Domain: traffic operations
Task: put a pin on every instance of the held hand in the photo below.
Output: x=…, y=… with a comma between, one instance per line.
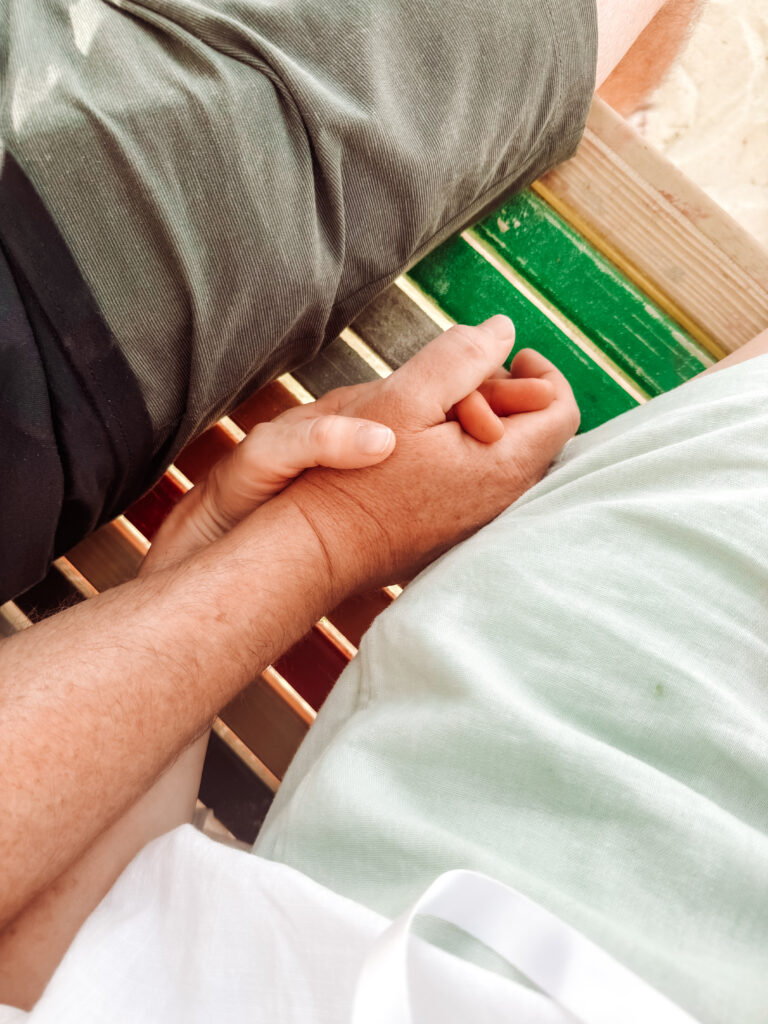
x=385, y=522
x=331, y=433
x=260, y=467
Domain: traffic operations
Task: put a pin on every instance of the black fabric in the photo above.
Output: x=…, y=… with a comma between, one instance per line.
x=75, y=437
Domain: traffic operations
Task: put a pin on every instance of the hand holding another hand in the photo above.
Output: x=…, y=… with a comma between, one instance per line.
x=440, y=484
x=464, y=451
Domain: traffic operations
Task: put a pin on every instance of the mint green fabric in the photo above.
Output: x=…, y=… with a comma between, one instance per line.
x=575, y=701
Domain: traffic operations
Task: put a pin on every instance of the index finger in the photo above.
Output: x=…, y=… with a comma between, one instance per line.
x=455, y=364
x=528, y=363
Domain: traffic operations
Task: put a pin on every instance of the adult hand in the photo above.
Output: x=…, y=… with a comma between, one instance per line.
x=440, y=484
x=264, y=463
x=164, y=653
x=323, y=433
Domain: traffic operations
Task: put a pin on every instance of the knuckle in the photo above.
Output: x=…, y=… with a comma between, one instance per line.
x=575, y=418
x=323, y=432
x=393, y=404
x=471, y=342
x=254, y=440
x=214, y=519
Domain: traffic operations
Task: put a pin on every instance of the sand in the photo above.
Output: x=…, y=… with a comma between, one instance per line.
x=710, y=115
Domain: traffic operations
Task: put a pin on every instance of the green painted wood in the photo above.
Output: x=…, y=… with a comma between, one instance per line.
x=470, y=290
x=588, y=289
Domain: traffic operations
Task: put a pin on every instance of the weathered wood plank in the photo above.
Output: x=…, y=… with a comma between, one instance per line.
x=148, y=513
x=355, y=615
x=395, y=327
x=269, y=719
x=196, y=460
x=470, y=289
x=55, y=592
x=12, y=619
x=246, y=755
x=312, y=666
x=337, y=365
x=636, y=333
x=111, y=555
x=661, y=230
x=263, y=405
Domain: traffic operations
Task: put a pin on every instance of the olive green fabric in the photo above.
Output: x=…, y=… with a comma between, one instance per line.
x=575, y=701
x=237, y=178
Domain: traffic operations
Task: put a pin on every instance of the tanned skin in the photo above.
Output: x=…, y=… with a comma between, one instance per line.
x=631, y=83
x=100, y=706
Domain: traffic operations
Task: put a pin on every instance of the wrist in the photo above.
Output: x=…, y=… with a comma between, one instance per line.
x=356, y=549
x=270, y=575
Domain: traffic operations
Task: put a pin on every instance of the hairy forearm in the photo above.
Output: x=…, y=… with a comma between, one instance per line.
x=647, y=61
x=96, y=702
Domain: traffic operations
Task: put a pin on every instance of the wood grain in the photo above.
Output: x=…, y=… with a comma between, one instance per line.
x=470, y=289
x=111, y=555
x=661, y=230
x=268, y=721
x=588, y=290
x=263, y=405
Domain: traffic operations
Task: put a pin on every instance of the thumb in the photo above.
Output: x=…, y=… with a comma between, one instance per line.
x=275, y=453
x=455, y=364
x=339, y=442
x=261, y=466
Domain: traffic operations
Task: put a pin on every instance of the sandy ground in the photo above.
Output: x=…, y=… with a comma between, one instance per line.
x=710, y=115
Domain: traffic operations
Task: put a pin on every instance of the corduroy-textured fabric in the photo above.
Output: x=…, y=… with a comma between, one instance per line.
x=237, y=178
x=575, y=701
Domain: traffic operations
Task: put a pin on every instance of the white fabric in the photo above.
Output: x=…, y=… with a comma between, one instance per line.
x=576, y=973
x=194, y=931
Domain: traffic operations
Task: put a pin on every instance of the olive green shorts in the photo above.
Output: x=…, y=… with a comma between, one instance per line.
x=236, y=179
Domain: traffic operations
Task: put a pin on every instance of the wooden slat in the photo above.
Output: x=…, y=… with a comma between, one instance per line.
x=246, y=755
x=470, y=289
x=268, y=722
x=12, y=619
x=422, y=301
x=659, y=228
x=235, y=793
x=111, y=555
x=62, y=587
x=75, y=578
x=263, y=718
x=395, y=327
x=380, y=366
x=602, y=302
x=148, y=513
x=312, y=666
x=355, y=615
x=335, y=366
x=611, y=183
x=199, y=455
x=337, y=638
x=264, y=405
x=52, y=594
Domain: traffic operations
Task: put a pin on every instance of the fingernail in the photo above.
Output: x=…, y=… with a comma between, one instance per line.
x=373, y=438
x=500, y=325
